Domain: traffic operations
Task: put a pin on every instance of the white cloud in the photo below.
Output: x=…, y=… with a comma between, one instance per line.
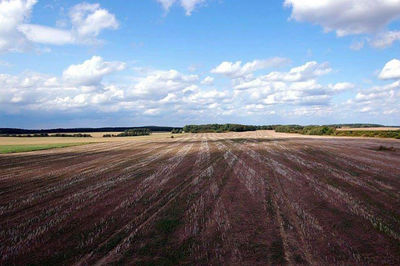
x=313, y=111
x=46, y=35
x=385, y=39
x=341, y=86
x=378, y=100
x=351, y=17
x=158, y=93
x=236, y=69
x=80, y=88
x=152, y=111
x=188, y=5
x=158, y=84
x=88, y=20
x=357, y=45
x=166, y=4
x=17, y=34
x=170, y=98
x=309, y=70
x=391, y=70
x=12, y=14
x=346, y=16
x=207, y=80
x=91, y=72
x=207, y=97
x=298, y=86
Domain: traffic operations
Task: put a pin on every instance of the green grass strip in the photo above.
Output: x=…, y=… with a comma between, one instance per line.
x=35, y=147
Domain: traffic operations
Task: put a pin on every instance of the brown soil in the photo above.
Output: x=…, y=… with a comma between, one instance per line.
x=251, y=198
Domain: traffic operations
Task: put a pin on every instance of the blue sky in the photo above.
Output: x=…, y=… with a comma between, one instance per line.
x=174, y=62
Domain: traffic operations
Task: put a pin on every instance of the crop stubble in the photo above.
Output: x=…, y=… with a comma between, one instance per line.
x=232, y=198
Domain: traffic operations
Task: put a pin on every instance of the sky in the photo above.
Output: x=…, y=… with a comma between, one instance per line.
x=178, y=62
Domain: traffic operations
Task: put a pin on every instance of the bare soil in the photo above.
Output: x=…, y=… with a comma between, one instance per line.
x=253, y=198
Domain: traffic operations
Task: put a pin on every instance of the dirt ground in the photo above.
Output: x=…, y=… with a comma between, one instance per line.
x=253, y=198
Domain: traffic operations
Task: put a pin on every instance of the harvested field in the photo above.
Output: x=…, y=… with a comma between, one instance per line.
x=96, y=137
x=251, y=198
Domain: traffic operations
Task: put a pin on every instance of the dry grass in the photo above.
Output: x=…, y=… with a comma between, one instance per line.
x=96, y=138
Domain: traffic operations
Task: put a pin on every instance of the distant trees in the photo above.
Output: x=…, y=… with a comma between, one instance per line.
x=355, y=125
x=306, y=130
x=79, y=135
x=331, y=131
x=81, y=130
x=370, y=133
x=177, y=131
x=131, y=133
x=218, y=128
x=289, y=129
x=268, y=127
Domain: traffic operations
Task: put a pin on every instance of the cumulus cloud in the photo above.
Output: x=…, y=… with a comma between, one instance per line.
x=16, y=33
x=309, y=70
x=346, y=16
x=298, y=86
x=80, y=89
x=166, y=4
x=188, y=5
x=158, y=84
x=38, y=92
x=157, y=93
x=12, y=14
x=341, y=86
x=236, y=69
x=391, y=70
x=377, y=100
x=207, y=97
x=92, y=71
x=88, y=20
x=46, y=35
x=349, y=17
x=207, y=80
x=385, y=39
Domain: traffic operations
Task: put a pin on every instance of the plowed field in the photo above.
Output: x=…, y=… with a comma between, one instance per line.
x=251, y=198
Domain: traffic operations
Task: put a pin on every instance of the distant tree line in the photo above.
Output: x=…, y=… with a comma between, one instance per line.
x=370, y=133
x=79, y=135
x=131, y=133
x=355, y=125
x=331, y=131
x=307, y=130
x=177, y=131
x=81, y=130
x=217, y=128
